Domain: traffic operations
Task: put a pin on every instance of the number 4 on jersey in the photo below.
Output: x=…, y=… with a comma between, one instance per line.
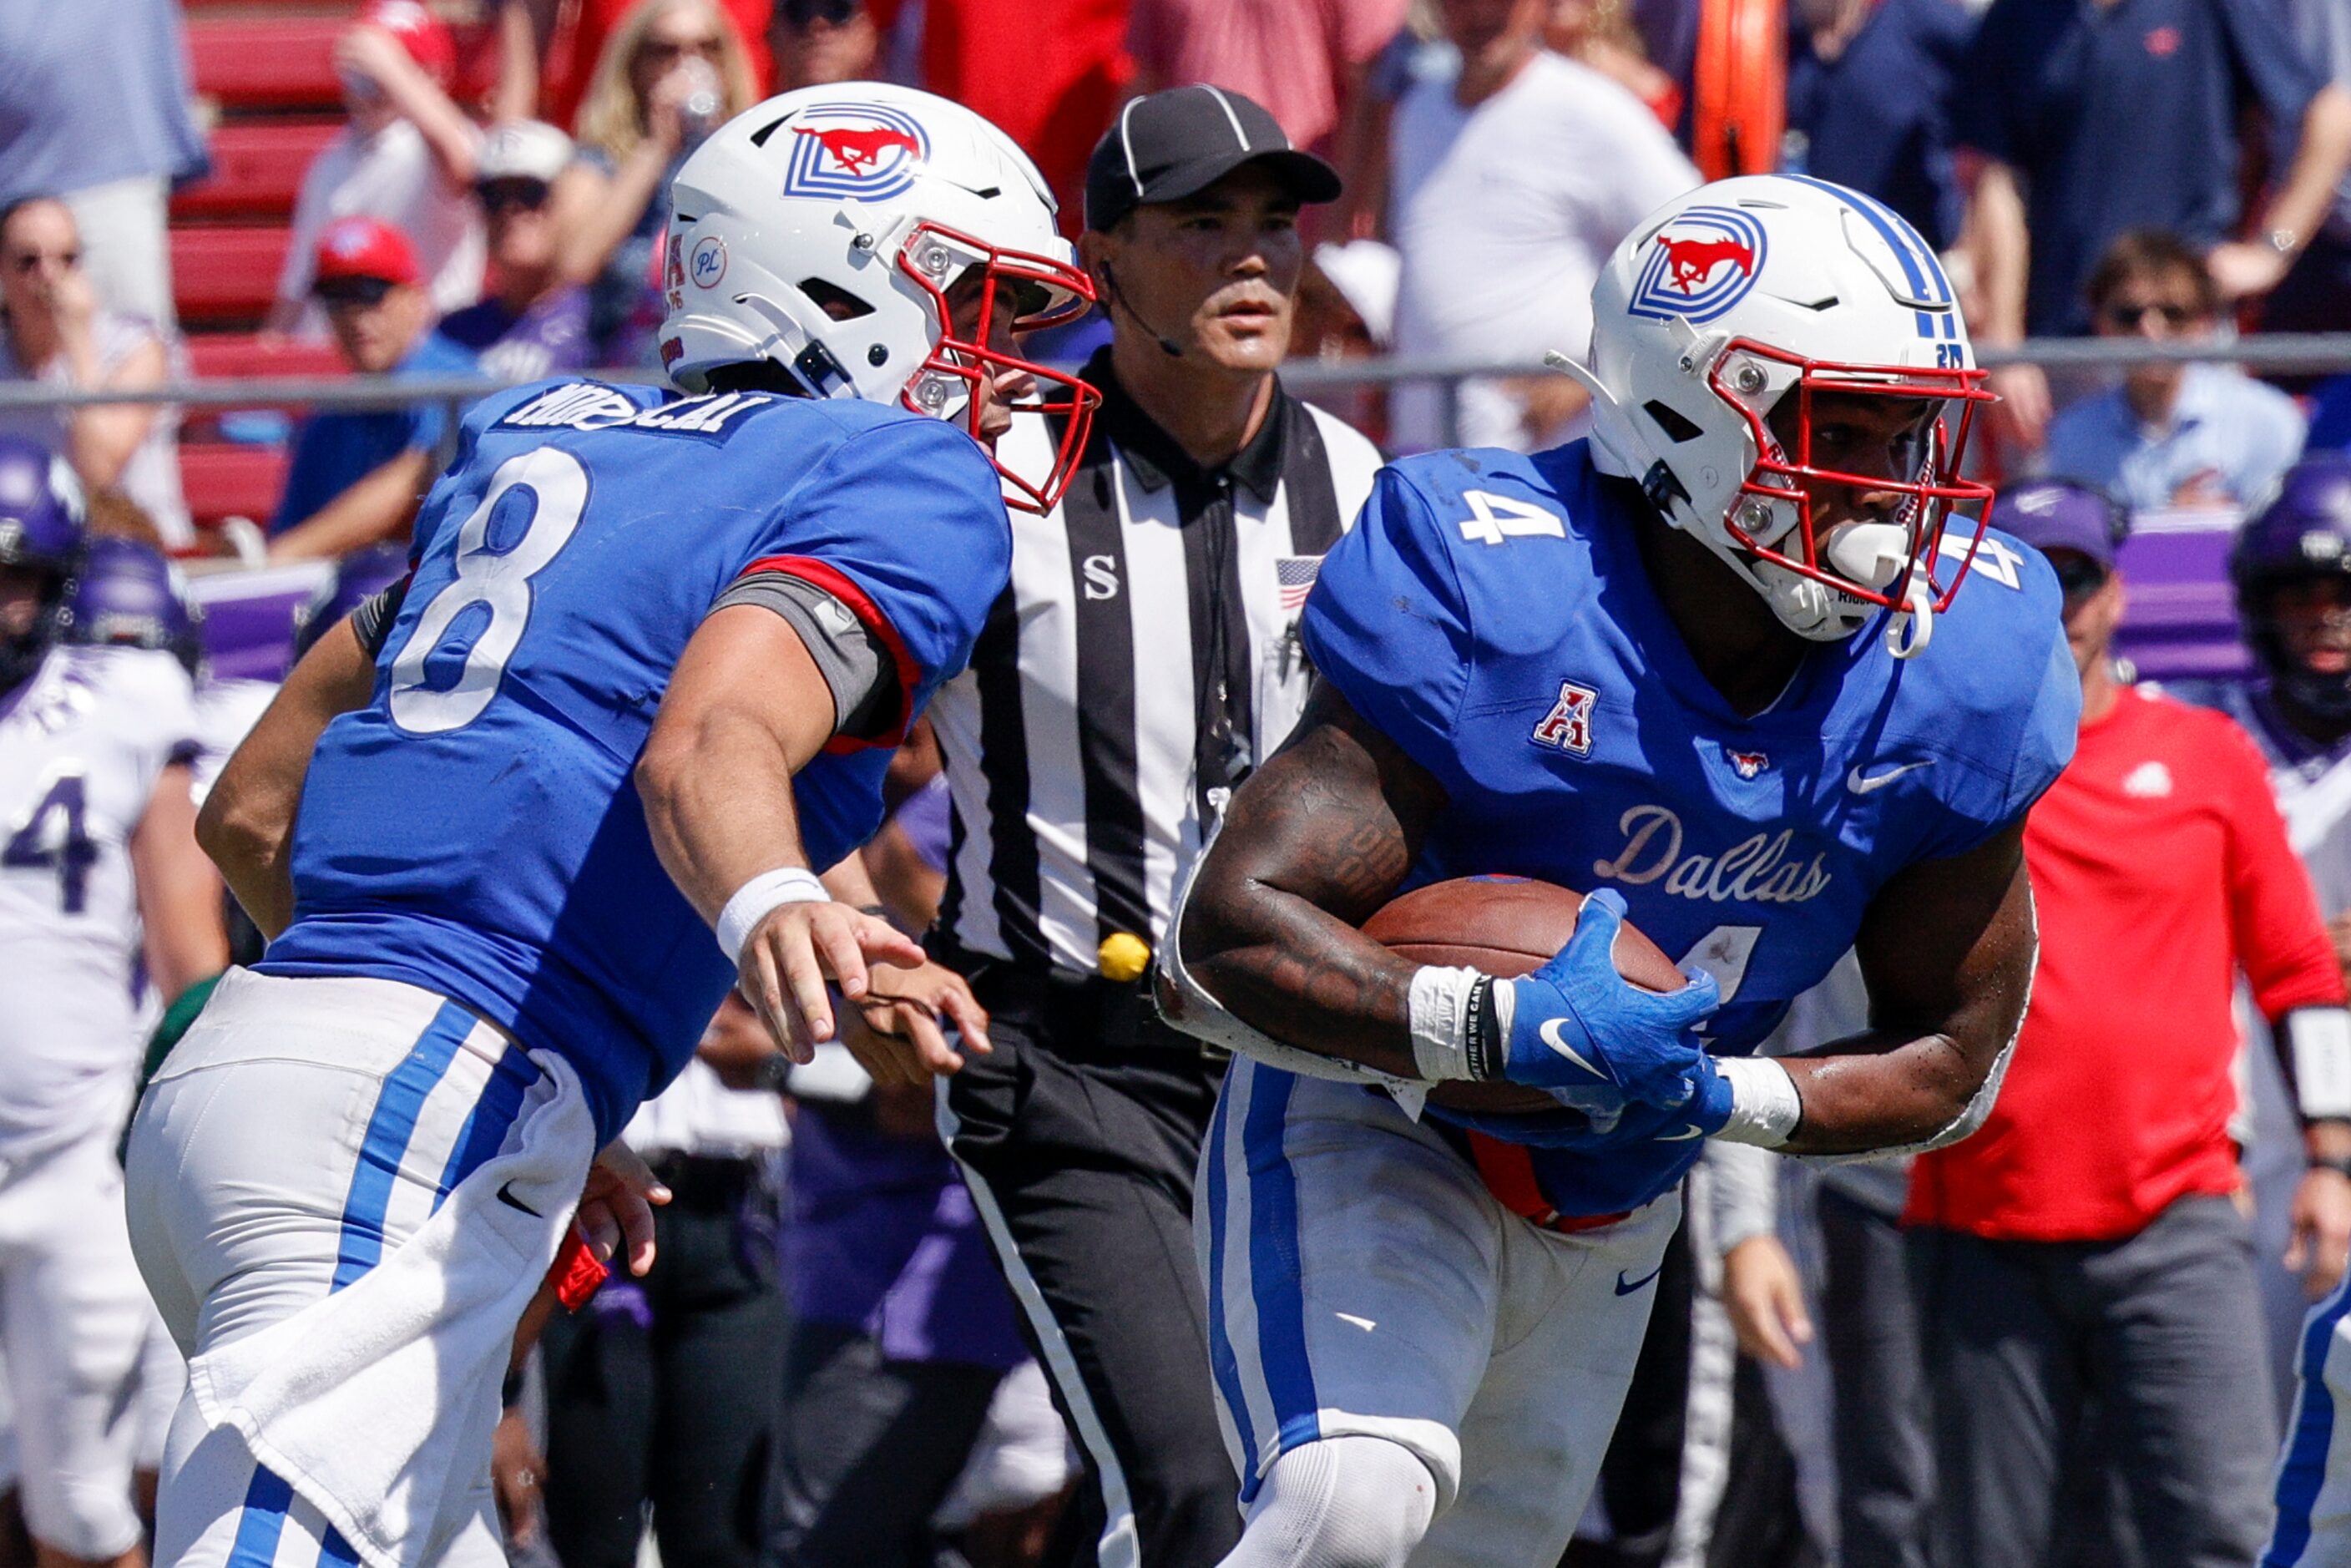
x=55, y=835
x=1493, y=519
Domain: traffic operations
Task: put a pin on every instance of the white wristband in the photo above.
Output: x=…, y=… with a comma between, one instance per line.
x=755, y=898
x=2318, y=1040
x=1764, y=1108
x=1440, y=1016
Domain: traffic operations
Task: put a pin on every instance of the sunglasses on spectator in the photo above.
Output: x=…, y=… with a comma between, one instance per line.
x=664, y=51
x=2128, y=317
x=2079, y=576
x=497, y=195
x=30, y=260
x=365, y=292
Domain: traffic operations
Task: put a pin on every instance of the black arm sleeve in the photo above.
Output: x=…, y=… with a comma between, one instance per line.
x=861, y=671
x=371, y=622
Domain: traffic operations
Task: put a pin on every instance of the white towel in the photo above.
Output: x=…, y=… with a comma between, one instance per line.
x=376, y=1403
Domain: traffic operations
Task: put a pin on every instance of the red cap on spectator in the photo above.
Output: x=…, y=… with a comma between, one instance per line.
x=424, y=36
x=363, y=248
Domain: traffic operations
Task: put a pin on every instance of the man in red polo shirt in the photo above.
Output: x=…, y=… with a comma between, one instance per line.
x=2085, y=1242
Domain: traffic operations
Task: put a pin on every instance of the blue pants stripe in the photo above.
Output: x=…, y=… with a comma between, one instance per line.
x=262, y=1523
x=1274, y=1264
x=486, y=1125
x=2304, y=1470
x=389, y=1131
x=334, y=1551
x=1222, y=1362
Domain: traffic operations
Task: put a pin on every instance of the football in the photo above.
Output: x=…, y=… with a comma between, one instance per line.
x=1504, y=926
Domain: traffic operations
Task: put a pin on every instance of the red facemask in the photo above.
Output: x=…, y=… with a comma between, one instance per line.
x=1066, y=403
x=1929, y=495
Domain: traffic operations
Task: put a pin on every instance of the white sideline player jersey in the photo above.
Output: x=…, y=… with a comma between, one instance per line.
x=227, y=712
x=81, y=745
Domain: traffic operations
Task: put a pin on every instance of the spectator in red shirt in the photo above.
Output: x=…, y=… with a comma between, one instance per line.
x=1303, y=59
x=2085, y=1244
x=1051, y=83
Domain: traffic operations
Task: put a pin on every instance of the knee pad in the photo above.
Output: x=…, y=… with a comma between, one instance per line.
x=1340, y=1502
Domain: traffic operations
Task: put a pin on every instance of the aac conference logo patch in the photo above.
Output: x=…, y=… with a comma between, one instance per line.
x=1699, y=265
x=862, y=151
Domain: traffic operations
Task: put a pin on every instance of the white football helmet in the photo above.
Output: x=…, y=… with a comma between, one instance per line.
x=1726, y=301
x=822, y=229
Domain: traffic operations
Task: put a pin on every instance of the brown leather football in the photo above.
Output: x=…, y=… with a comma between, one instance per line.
x=1504, y=926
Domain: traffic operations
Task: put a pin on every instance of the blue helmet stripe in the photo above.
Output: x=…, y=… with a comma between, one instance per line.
x=1918, y=263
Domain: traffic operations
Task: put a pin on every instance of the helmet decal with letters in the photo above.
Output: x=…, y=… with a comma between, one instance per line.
x=865, y=151
x=1701, y=264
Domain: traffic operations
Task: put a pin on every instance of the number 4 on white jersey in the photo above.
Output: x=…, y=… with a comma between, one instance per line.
x=1493, y=519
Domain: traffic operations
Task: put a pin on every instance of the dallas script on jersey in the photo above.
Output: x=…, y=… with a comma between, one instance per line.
x=1755, y=870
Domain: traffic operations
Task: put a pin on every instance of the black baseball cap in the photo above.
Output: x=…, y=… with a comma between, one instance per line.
x=1168, y=145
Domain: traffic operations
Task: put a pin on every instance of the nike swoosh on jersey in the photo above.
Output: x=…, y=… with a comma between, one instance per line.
x=1366, y=1325
x=1860, y=785
x=507, y=1197
x=1685, y=1135
x=1626, y=1287
x=1550, y=1037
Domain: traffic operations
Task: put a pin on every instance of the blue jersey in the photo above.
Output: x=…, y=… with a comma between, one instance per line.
x=474, y=830
x=1492, y=614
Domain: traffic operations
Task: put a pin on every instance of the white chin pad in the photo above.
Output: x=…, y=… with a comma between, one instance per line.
x=1873, y=553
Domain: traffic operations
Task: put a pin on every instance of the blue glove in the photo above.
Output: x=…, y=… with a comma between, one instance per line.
x=1595, y=1040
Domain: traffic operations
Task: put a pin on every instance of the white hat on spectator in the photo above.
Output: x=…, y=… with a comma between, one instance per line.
x=523, y=150
x=1366, y=273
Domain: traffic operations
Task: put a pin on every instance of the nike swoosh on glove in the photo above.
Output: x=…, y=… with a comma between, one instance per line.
x=1597, y=1041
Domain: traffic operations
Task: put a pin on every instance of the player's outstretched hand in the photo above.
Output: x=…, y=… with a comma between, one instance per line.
x=616, y=1206
x=897, y=1031
x=791, y=953
x=1597, y=1041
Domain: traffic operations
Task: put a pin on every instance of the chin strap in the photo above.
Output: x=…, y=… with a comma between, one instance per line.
x=1912, y=627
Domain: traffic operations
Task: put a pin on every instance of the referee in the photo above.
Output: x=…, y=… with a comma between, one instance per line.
x=1144, y=657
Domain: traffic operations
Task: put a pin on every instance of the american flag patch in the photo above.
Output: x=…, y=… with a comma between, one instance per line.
x=1295, y=574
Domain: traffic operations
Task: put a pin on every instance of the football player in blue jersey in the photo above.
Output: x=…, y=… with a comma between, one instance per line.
x=641, y=680
x=1711, y=666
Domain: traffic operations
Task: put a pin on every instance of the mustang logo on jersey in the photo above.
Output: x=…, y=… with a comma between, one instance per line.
x=1757, y=869
x=1747, y=764
x=863, y=150
x=1703, y=268
x=1568, y=726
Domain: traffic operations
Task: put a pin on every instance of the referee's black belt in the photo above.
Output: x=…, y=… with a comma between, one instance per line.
x=1073, y=1011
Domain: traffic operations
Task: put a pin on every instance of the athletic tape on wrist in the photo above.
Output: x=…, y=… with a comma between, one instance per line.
x=1439, y=1018
x=755, y=898
x=2318, y=1042
x=1764, y=1107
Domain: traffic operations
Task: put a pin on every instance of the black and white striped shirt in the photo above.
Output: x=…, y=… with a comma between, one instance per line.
x=1146, y=653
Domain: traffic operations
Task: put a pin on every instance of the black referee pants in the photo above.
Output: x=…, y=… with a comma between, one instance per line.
x=1079, y=1138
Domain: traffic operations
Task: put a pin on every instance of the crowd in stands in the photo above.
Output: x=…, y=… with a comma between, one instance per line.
x=522, y=148
x=495, y=204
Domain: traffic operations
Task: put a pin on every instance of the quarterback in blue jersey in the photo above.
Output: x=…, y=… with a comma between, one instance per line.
x=1712, y=667
x=639, y=682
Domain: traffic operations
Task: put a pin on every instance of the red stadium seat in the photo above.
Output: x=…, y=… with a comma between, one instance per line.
x=229, y=356
x=257, y=169
x=222, y=275
x=254, y=62
x=225, y=481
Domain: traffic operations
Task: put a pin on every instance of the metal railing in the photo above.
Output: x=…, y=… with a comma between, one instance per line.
x=2298, y=353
